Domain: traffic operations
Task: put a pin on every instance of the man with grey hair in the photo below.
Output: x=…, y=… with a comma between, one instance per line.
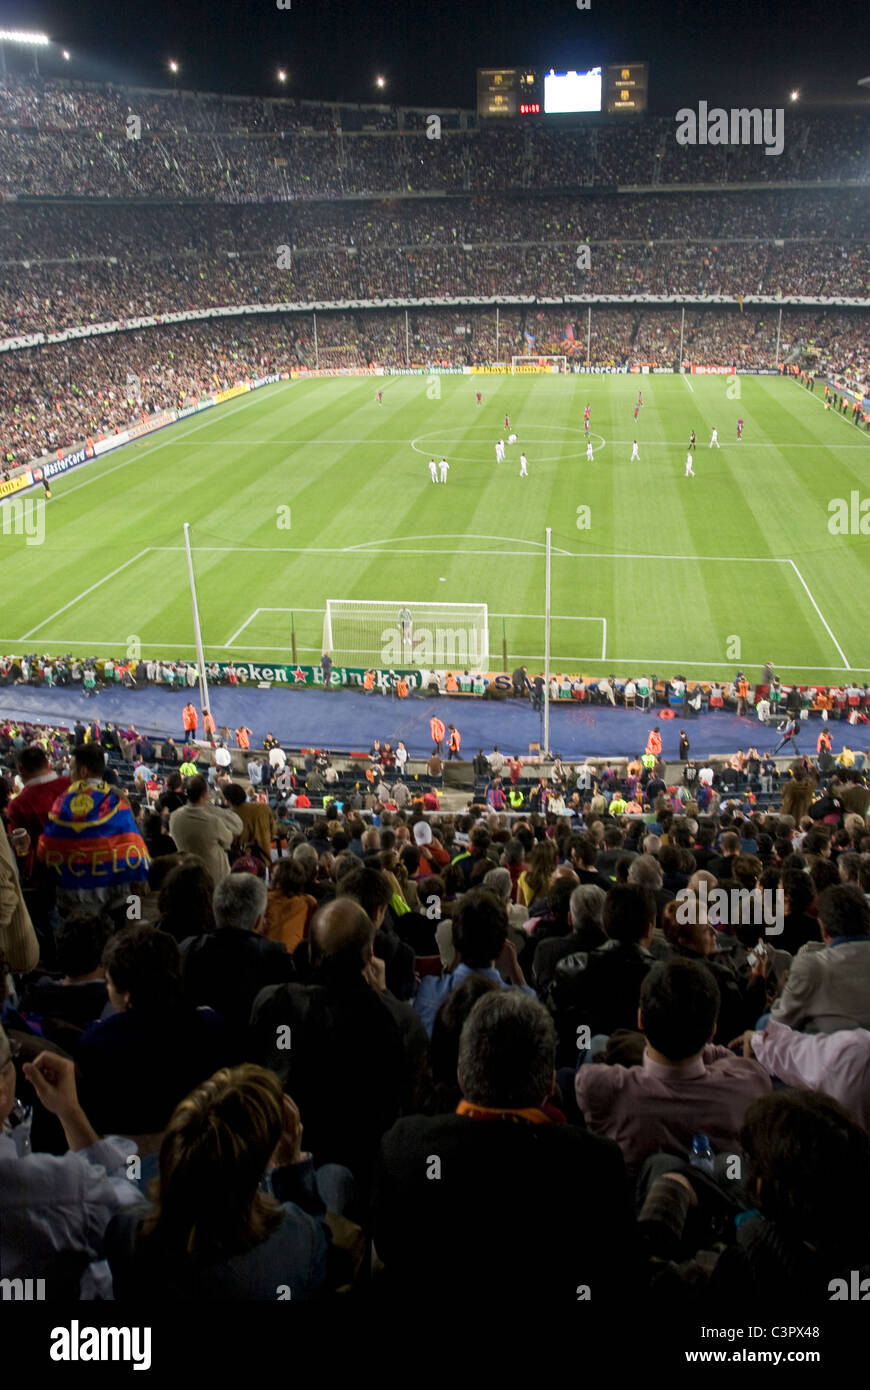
x=504, y=1125
x=226, y=969
x=587, y=911
x=306, y=856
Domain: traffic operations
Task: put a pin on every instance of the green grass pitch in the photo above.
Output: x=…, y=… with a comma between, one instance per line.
x=671, y=573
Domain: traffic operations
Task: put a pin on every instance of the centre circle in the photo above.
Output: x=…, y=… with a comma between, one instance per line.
x=522, y=446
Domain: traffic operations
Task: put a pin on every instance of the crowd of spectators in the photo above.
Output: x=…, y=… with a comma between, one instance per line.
x=253, y=1034
x=62, y=140
x=65, y=267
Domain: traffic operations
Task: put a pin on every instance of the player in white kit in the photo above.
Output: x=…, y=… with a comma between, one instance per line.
x=714, y=439
x=444, y=465
x=433, y=470
x=590, y=452
x=690, y=472
x=524, y=466
x=499, y=451
x=512, y=439
x=634, y=453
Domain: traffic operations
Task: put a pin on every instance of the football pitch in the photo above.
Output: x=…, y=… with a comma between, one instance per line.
x=309, y=490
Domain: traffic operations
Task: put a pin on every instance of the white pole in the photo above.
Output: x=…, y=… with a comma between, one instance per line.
x=589, y=334
x=496, y=332
x=546, y=748
x=407, y=343
x=778, y=327
x=200, y=655
x=682, y=326
x=316, y=357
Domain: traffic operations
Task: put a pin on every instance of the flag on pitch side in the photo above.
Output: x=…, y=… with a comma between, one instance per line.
x=91, y=840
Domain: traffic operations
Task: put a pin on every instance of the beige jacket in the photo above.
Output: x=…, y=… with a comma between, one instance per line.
x=208, y=832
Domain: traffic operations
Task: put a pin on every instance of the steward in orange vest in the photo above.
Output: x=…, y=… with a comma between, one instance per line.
x=454, y=743
x=437, y=730
x=244, y=737
x=654, y=743
x=190, y=718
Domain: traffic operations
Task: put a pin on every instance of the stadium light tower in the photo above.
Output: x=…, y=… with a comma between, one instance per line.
x=23, y=39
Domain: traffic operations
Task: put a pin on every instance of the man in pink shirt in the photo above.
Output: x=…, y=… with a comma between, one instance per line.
x=836, y=1063
x=685, y=1086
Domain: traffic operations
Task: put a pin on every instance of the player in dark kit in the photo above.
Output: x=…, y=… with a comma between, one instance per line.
x=739, y=429
x=586, y=414
x=640, y=398
x=692, y=440
x=380, y=398
x=479, y=398
x=507, y=422
x=636, y=409
x=46, y=489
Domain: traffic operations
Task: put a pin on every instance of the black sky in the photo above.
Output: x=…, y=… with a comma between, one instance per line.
x=745, y=51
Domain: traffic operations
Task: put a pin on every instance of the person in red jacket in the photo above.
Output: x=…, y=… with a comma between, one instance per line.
x=28, y=811
x=654, y=743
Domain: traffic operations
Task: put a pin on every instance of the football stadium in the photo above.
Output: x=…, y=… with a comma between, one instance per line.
x=434, y=674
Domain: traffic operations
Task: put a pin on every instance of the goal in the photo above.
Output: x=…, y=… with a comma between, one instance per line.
x=558, y=363
x=437, y=636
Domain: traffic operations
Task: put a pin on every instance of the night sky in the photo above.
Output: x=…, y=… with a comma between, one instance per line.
x=751, y=51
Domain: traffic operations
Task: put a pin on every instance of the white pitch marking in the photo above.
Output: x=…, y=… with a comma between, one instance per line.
x=821, y=615
x=84, y=594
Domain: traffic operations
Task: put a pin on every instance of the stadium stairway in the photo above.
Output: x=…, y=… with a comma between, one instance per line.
x=349, y=721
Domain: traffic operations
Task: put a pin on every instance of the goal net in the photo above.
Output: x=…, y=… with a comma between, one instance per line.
x=558, y=363
x=437, y=636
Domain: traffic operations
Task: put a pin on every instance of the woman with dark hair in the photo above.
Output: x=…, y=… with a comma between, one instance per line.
x=137, y=1064
x=798, y=927
x=158, y=843
x=239, y=1212
x=185, y=901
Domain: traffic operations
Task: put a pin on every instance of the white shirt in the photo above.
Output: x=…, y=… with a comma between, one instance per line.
x=222, y=757
x=277, y=757
x=706, y=776
x=50, y=1205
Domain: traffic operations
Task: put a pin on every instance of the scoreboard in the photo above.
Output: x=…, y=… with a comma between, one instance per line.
x=509, y=93
x=502, y=92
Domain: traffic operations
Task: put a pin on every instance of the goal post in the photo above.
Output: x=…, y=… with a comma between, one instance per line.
x=435, y=636
x=552, y=363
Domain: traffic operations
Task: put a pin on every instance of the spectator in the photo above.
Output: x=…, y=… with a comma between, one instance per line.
x=138, y=1063
x=259, y=826
x=206, y=830
x=213, y=1233
x=54, y=1210
x=225, y=969
x=685, y=1086
x=356, y=1054
x=828, y=986
x=289, y=908
x=503, y=1126
x=480, y=939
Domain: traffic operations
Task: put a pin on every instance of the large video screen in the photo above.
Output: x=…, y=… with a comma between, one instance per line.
x=572, y=91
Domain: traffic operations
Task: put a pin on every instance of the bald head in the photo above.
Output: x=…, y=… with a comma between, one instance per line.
x=342, y=935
